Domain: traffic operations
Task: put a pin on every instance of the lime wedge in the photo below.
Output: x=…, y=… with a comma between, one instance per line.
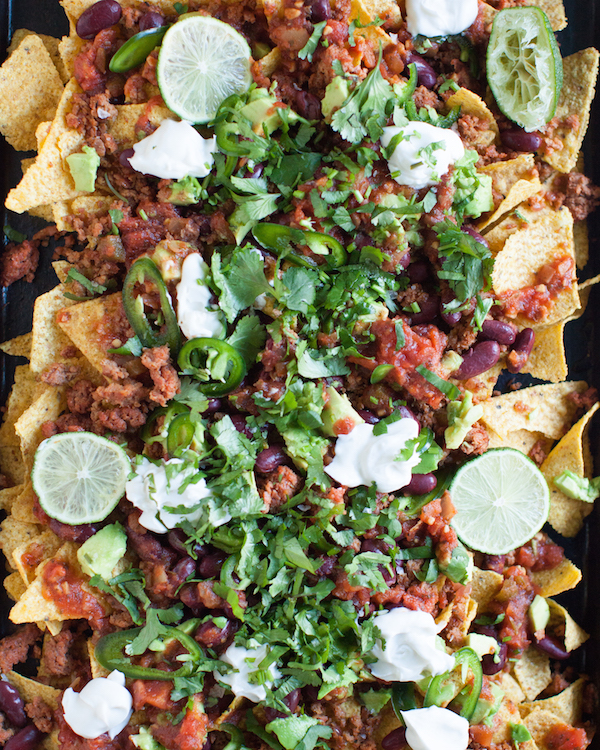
x=201, y=62
x=501, y=499
x=79, y=477
x=524, y=66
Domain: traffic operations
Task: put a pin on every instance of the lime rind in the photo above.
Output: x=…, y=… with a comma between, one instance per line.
x=524, y=66
x=79, y=477
x=202, y=61
x=501, y=499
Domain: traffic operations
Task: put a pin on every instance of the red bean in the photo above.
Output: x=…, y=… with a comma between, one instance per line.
x=11, y=704
x=307, y=105
x=478, y=359
x=490, y=666
x=101, y=15
x=210, y=566
x=418, y=272
x=496, y=330
x=26, y=739
x=426, y=74
x=475, y=234
x=420, y=484
x=125, y=156
x=69, y=533
x=320, y=11
x=211, y=636
x=183, y=570
x=524, y=341
x=552, y=647
x=151, y=20
x=450, y=319
x=395, y=740
x=368, y=416
x=488, y=630
x=429, y=309
x=518, y=140
x=241, y=425
x=293, y=699
x=407, y=413
x=328, y=565
x=270, y=459
x=176, y=539
x=272, y=713
x=494, y=562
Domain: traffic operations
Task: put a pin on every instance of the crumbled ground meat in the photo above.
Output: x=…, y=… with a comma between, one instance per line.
x=60, y=374
x=40, y=713
x=537, y=453
x=14, y=649
x=163, y=374
x=578, y=194
x=5, y=732
x=19, y=261
x=279, y=487
x=57, y=658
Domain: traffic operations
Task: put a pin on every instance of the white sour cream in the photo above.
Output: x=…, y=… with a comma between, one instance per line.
x=440, y=17
x=364, y=458
x=433, y=728
x=194, y=314
x=408, y=651
x=103, y=705
x=245, y=661
x=424, y=154
x=154, y=490
x=174, y=151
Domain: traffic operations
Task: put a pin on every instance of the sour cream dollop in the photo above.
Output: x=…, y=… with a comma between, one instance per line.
x=363, y=458
x=440, y=17
x=245, y=661
x=174, y=151
x=408, y=651
x=155, y=489
x=424, y=154
x=194, y=314
x=103, y=705
x=432, y=728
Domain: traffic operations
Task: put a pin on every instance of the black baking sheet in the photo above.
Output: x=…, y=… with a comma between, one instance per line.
x=46, y=16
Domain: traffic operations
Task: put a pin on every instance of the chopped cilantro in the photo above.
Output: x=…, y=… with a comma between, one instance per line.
x=309, y=49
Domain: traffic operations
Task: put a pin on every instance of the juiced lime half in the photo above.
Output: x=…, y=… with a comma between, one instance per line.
x=524, y=66
x=79, y=477
x=501, y=499
x=201, y=62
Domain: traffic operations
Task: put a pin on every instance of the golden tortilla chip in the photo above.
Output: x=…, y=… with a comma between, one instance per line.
x=30, y=90
x=471, y=104
x=560, y=620
x=68, y=48
x=41, y=133
x=567, y=705
x=526, y=251
x=548, y=360
x=501, y=725
x=32, y=689
x=581, y=242
x=23, y=393
x=48, y=406
x=122, y=128
x=510, y=687
x=520, y=440
x=20, y=346
x=573, y=111
x=562, y=578
x=13, y=534
x=15, y=586
x=50, y=343
x=539, y=723
x=29, y=555
x=541, y=408
x=505, y=174
x=23, y=505
x=11, y=463
x=97, y=669
x=520, y=191
x=485, y=584
x=74, y=8
x=270, y=62
x=387, y=723
x=482, y=386
x=368, y=10
x=49, y=179
x=532, y=672
x=554, y=9
x=50, y=43
x=8, y=495
x=566, y=514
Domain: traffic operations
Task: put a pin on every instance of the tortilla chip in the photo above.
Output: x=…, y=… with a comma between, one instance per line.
x=48, y=406
x=471, y=104
x=560, y=620
x=526, y=251
x=49, y=341
x=510, y=687
x=29, y=555
x=270, y=62
x=545, y=409
x=97, y=669
x=579, y=84
x=567, y=705
x=520, y=440
x=74, y=8
x=566, y=514
x=548, y=360
x=581, y=241
x=501, y=724
x=20, y=346
x=532, y=672
x=49, y=180
x=30, y=90
x=444, y=617
x=68, y=48
x=387, y=723
x=8, y=495
x=11, y=463
x=123, y=129
x=23, y=393
x=15, y=586
x=32, y=689
x=50, y=43
x=562, y=578
x=482, y=386
x=24, y=504
x=521, y=191
x=554, y=9
x=368, y=10
x=13, y=534
x=485, y=584
x=539, y=723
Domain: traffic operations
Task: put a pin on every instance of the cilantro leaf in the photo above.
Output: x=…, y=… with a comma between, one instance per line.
x=309, y=49
x=301, y=286
x=250, y=210
x=320, y=363
x=241, y=282
x=248, y=338
x=157, y=621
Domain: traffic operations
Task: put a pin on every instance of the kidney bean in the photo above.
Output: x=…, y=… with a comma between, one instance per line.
x=496, y=330
x=272, y=713
x=426, y=74
x=407, y=413
x=489, y=666
x=69, y=533
x=207, y=745
x=552, y=647
x=429, y=309
x=476, y=235
x=292, y=699
x=488, y=630
x=210, y=566
x=270, y=459
x=518, y=140
x=362, y=239
x=478, y=359
x=210, y=635
x=125, y=156
x=151, y=20
x=176, y=539
x=99, y=16
x=388, y=577
x=310, y=693
x=494, y=562
x=368, y=416
x=320, y=11
x=418, y=272
x=184, y=569
x=241, y=425
x=327, y=566
x=12, y=705
x=307, y=105
x=26, y=739
x=450, y=319
x=214, y=404
x=524, y=341
x=257, y=171
x=420, y=484
x=395, y=740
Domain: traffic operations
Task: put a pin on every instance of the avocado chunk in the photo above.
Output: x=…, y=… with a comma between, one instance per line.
x=83, y=167
x=486, y=708
x=336, y=94
x=482, y=644
x=262, y=112
x=462, y=415
x=101, y=553
x=539, y=613
x=339, y=416
x=185, y=192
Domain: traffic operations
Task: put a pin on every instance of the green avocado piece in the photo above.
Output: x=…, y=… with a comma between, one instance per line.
x=185, y=192
x=539, y=613
x=336, y=94
x=482, y=644
x=462, y=415
x=83, y=167
x=261, y=111
x=486, y=709
x=100, y=553
x=338, y=411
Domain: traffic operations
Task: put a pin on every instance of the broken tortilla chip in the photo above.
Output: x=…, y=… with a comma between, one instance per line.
x=539, y=724
x=548, y=359
x=48, y=406
x=562, y=622
x=15, y=586
x=554, y=9
x=567, y=705
x=32, y=689
x=23, y=393
x=471, y=104
x=532, y=672
x=50, y=43
x=20, y=346
x=563, y=577
x=485, y=584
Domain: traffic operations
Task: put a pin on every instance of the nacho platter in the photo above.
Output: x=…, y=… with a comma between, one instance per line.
x=525, y=424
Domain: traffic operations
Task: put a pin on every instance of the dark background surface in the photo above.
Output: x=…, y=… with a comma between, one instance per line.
x=581, y=337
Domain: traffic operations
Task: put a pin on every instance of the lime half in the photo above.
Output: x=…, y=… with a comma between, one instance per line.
x=79, y=477
x=201, y=62
x=501, y=499
x=524, y=66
